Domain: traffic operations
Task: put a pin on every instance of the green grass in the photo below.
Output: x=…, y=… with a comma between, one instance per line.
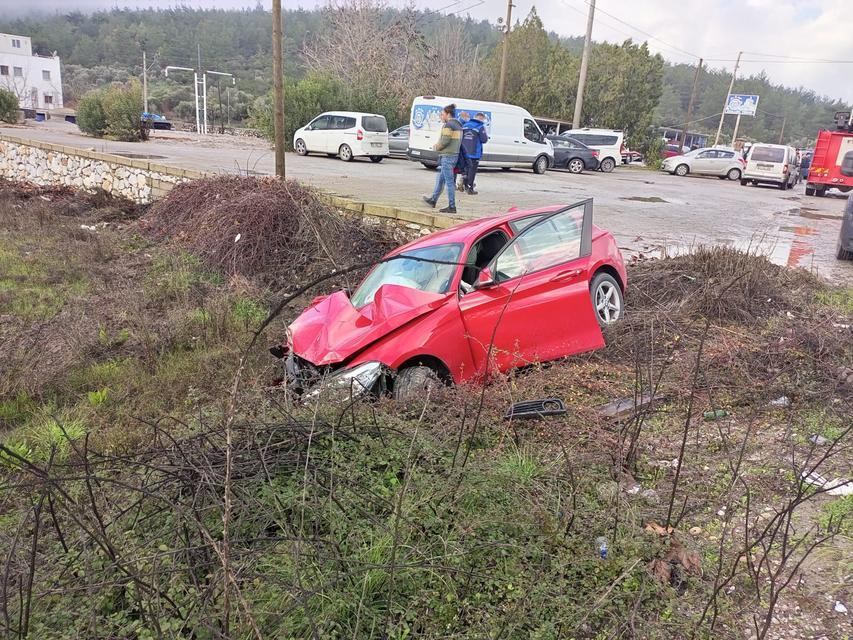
x=34, y=288
x=841, y=300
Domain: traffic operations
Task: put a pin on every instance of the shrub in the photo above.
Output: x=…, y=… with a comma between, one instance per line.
x=90, y=114
x=123, y=111
x=8, y=106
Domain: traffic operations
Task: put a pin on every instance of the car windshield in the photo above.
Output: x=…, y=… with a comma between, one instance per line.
x=412, y=269
x=374, y=123
x=768, y=154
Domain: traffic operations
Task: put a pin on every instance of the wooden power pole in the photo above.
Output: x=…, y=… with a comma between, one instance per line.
x=502, y=79
x=587, y=45
x=690, y=103
x=278, y=89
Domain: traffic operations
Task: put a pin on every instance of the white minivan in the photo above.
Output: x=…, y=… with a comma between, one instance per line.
x=608, y=143
x=346, y=134
x=771, y=164
x=515, y=140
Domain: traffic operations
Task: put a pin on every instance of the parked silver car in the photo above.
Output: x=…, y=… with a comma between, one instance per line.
x=398, y=141
x=722, y=162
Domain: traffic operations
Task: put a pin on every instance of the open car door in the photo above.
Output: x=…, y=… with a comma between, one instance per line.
x=532, y=303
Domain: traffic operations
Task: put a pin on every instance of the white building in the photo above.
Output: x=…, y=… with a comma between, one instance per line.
x=34, y=79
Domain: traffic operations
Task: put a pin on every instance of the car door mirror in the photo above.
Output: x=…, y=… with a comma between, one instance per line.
x=485, y=279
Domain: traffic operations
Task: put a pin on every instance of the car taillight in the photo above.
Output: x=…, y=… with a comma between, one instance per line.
x=785, y=169
x=359, y=135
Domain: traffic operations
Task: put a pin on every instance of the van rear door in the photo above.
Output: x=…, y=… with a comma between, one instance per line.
x=767, y=163
x=375, y=135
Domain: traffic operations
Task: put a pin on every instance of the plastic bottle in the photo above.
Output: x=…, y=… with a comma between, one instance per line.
x=716, y=414
x=601, y=545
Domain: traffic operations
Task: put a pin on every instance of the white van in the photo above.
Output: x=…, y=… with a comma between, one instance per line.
x=771, y=164
x=346, y=134
x=608, y=143
x=515, y=140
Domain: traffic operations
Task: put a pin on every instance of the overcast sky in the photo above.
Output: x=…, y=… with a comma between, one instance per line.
x=681, y=29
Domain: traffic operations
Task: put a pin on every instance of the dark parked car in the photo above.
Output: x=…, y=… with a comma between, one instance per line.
x=573, y=155
x=398, y=141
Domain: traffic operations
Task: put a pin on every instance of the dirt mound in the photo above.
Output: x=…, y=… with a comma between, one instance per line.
x=719, y=282
x=278, y=231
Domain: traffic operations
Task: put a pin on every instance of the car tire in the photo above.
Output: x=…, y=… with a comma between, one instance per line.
x=575, y=165
x=540, y=166
x=506, y=168
x=743, y=182
x=300, y=147
x=820, y=192
x=809, y=191
x=844, y=189
x=607, y=165
x=376, y=159
x=412, y=383
x=430, y=166
x=843, y=254
x=607, y=299
x=733, y=174
x=345, y=153
x=783, y=185
x=682, y=170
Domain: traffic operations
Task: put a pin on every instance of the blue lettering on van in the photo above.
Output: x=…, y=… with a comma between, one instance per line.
x=427, y=117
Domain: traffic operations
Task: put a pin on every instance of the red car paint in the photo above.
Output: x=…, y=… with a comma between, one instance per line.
x=540, y=315
x=825, y=169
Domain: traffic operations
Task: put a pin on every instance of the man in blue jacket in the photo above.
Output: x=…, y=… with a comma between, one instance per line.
x=474, y=136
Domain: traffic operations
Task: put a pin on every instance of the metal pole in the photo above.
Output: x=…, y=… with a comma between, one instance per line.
x=278, y=89
x=195, y=85
x=587, y=45
x=204, y=101
x=690, y=104
x=505, y=50
x=782, y=130
x=144, y=83
x=726, y=99
x=737, y=126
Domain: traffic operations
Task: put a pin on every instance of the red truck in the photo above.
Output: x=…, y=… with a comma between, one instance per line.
x=830, y=149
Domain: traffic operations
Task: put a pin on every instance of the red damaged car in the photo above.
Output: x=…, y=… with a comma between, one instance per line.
x=460, y=304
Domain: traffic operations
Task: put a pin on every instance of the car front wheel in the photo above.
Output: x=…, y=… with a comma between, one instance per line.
x=607, y=165
x=376, y=159
x=541, y=165
x=607, y=299
x=413, y=383
x=300, y=147
x=681, y=170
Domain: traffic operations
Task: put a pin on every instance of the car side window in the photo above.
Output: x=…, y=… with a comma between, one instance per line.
x=707, y=154
x=728, y=155
x=320, y=123
x=531, y=131
x=550, y=242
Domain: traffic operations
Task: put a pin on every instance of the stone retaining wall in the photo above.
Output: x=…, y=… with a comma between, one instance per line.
x=53, y=164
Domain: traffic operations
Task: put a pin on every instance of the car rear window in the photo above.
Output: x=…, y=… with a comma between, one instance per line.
x=596, y=140
x=374, y=123
x=767, y=154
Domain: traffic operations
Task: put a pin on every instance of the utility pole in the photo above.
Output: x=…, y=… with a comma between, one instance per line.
x=502, y=79
x=144, y=83
x=782, y=130
x=690, y=103
x=278, y=89
x=726, y=100
x=587, y=45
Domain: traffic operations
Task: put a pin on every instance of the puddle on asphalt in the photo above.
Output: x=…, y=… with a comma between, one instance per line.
x=644, y=199
x=811, y=214
x=138, y=156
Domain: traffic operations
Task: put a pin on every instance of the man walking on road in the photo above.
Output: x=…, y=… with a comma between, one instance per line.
x=448, y=146
x=474, y=136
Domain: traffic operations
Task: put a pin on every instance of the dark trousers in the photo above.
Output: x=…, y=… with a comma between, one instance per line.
x=471, y=171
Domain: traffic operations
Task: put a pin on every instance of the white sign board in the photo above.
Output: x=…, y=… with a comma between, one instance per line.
x=741, y=105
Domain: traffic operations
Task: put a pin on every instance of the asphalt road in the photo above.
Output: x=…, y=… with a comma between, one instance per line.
x=650, y=213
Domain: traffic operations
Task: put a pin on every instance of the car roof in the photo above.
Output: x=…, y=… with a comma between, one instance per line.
x=461, y=233
x=351, y=114
x=588, y=130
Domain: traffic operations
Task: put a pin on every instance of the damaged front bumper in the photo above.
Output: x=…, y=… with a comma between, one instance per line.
x=335, y=384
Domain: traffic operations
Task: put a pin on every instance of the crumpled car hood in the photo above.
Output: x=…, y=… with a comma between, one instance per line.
x=332, y=330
